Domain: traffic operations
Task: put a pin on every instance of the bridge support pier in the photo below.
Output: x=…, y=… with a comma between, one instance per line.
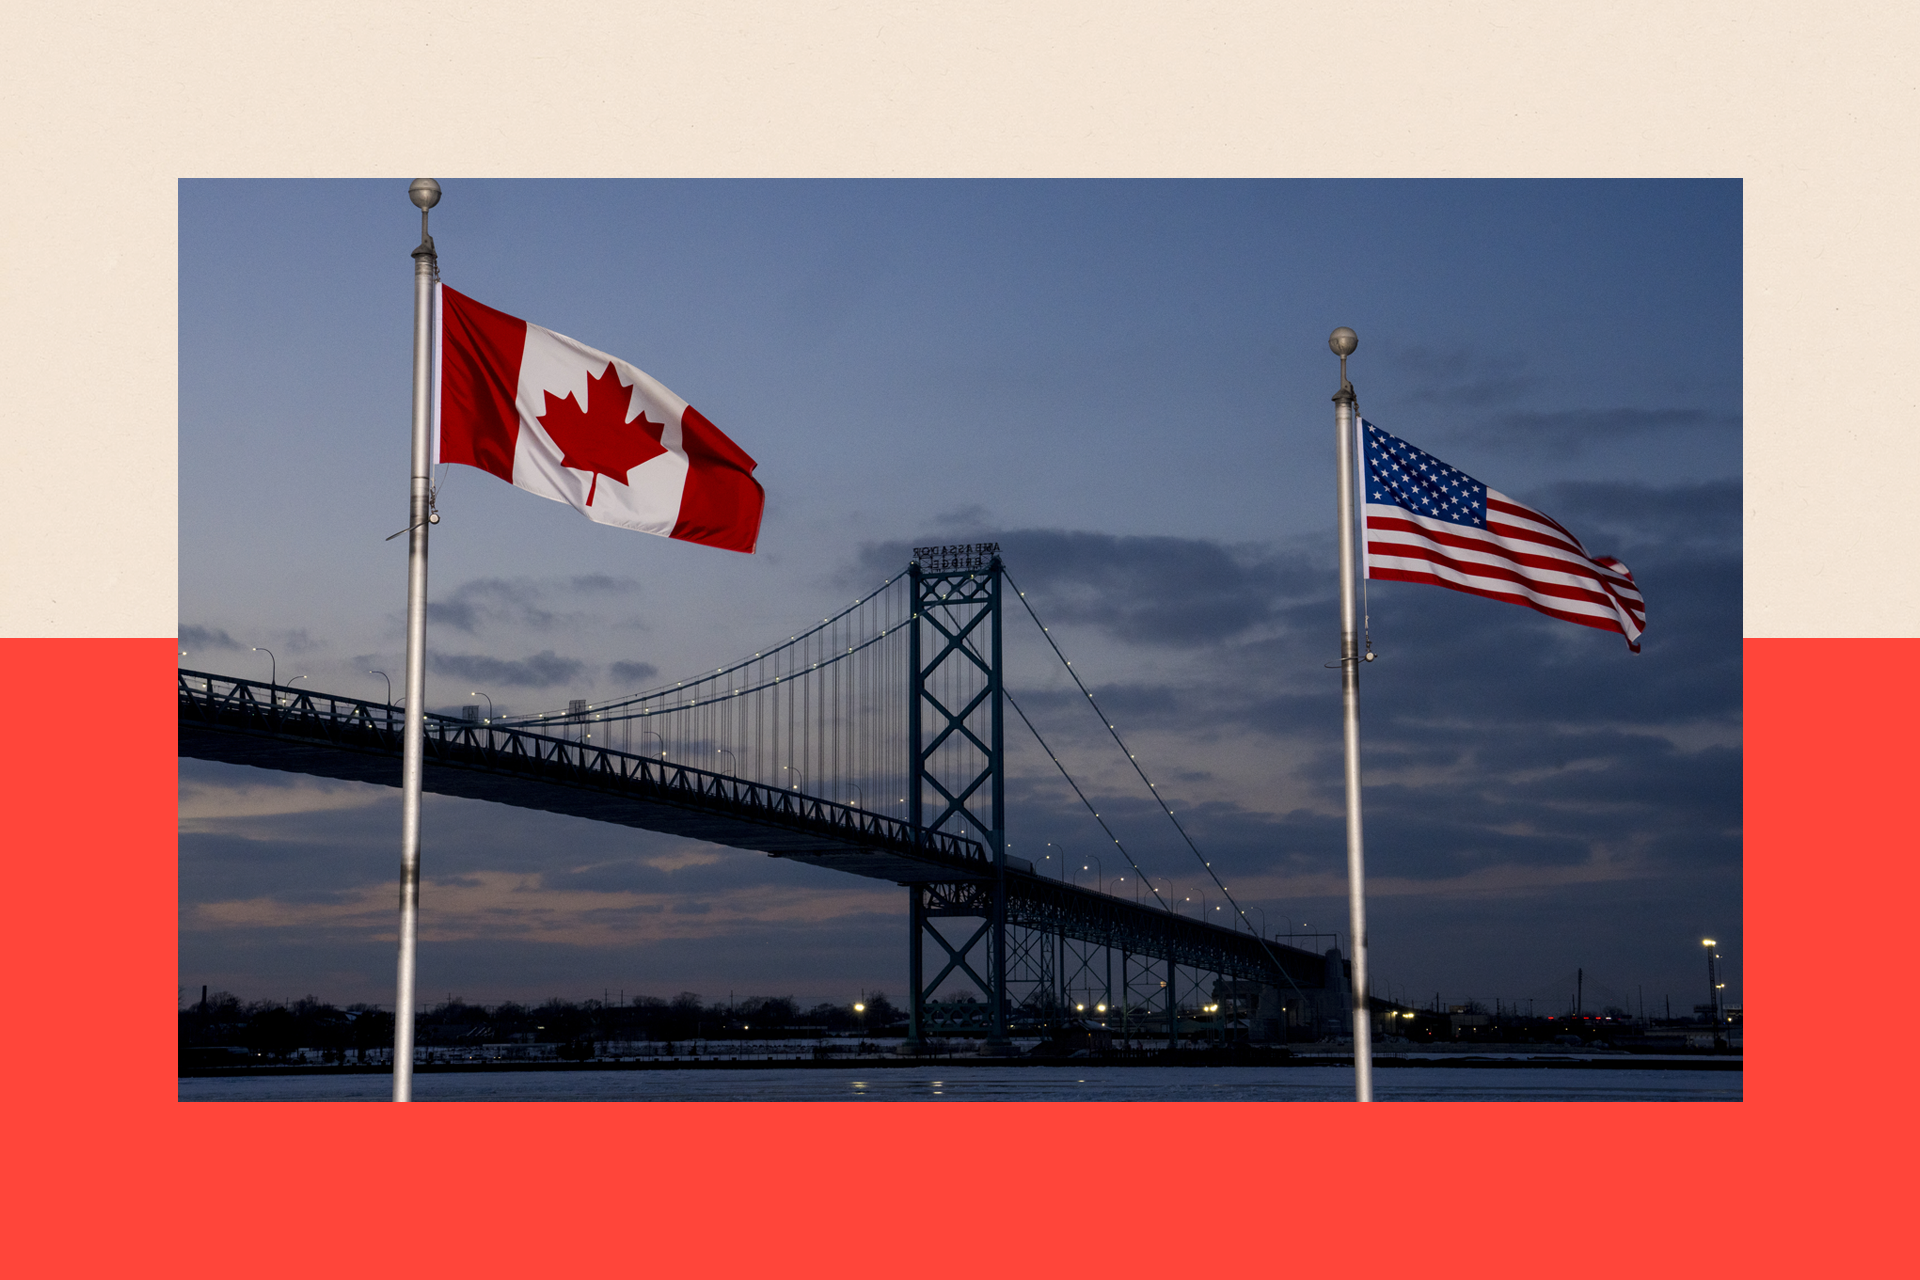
x=1173, y=1007
x=916, y=995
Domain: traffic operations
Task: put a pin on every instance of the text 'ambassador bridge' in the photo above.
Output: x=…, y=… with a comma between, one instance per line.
x=873, y=743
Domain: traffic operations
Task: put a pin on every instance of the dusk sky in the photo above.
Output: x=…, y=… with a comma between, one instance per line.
x=1125, y=384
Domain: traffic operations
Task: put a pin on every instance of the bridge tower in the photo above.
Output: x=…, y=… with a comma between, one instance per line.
x=956, y=771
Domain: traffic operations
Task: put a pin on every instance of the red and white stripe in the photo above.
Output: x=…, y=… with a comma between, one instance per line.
x=1522, y=557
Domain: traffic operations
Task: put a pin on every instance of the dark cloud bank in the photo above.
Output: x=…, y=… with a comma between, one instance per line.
x=542, y=670
x=1500, y=746
x=1538, y=797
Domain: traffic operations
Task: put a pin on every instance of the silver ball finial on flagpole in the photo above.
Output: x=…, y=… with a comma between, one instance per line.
x=1343, y=342
x=424, y=192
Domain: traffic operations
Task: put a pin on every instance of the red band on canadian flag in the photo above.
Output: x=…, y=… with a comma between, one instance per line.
x=557, y=418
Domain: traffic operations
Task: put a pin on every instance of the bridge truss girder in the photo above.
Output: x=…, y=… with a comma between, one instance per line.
x=1062, y=938
x=1165, y=959
x=274, y=727
x=1086, y=968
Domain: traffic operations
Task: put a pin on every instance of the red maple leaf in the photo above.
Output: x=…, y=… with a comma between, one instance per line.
x=599, y=438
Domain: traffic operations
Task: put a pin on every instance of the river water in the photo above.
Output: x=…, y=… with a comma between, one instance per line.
x=992, y=1083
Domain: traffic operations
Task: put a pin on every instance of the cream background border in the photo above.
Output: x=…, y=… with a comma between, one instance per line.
x=107, y=110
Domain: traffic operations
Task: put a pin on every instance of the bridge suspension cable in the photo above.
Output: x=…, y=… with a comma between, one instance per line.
x=1008, y=694
x=1152, y=789
x=822, y=713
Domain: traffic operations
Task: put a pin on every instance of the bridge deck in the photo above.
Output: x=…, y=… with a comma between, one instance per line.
x=243, y=722
x=274, y=727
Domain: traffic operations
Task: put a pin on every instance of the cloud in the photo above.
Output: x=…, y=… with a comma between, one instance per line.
x=1461, y=375
x=1504, y=752
x=1488, y=386
x=520, y=602
x=207, y=806
x=1668, y=519
x=601, y=582
x=1494, y=737
x=483, y=600
x=1611, y=805
x=1567, y=431
x=196, y=637
x=681, y=859
x=1491, y=883
x=1144, y=590
x=506, y=906
x=963, y=518
x=539, y=671
x=633, y=672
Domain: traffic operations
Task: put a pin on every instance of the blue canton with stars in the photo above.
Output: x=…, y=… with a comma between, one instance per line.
x=1401, y=474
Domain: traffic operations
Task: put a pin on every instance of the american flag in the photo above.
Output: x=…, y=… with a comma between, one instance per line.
x=1428, y=522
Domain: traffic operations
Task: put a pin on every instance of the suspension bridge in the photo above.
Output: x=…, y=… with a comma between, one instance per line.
x=872, y=743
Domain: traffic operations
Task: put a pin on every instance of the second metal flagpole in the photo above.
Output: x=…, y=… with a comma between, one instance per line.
x=1343, y=342
x=425, y=193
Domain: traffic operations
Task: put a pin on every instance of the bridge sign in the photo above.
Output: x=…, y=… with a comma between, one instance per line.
x=963, y=555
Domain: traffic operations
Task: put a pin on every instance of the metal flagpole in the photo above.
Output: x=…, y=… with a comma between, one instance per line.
x=425, y=193
x=1343, y=342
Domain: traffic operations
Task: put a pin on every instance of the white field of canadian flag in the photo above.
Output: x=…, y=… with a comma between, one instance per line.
x=555, y=417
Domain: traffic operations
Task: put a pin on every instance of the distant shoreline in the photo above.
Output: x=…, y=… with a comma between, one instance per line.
x=1612, y=1061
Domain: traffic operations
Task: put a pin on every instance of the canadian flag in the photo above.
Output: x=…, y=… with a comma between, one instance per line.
x=557, y=418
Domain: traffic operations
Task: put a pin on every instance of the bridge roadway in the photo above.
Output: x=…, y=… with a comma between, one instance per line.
x=274, y=727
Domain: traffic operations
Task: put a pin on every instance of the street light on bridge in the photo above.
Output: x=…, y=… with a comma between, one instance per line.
x=1066, y=861
x=1100, y=872
x=477, y=694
